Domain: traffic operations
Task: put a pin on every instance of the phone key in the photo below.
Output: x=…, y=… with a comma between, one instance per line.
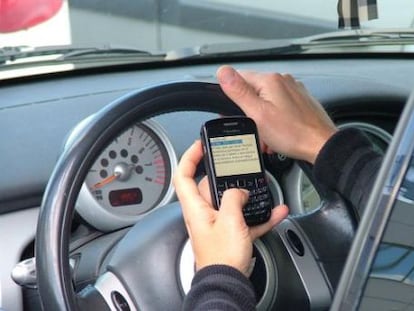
x=266, y=203
x=250, y=184
x=253, y=199
x=221, y=186
x=263, y=197
x=241, y=183
x=232, y=184
x=259, y=206
x=248, y=207
x=262, y=211
x=262, y=189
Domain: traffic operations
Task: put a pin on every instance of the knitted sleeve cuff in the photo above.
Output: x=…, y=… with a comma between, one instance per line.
x=220, y=287
x=334, y=155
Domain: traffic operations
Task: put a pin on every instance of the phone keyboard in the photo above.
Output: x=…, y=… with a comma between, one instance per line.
x=259, y=206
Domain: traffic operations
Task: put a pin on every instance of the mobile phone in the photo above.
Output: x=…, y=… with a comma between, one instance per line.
x=232, y=159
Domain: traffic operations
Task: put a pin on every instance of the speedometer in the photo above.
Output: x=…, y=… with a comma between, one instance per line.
x=129, y=178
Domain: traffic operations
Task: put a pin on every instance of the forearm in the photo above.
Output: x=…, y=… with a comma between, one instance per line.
x=349, y=165
x=220, y=287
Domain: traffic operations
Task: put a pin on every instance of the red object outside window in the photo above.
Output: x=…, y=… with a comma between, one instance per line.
x=22, y=14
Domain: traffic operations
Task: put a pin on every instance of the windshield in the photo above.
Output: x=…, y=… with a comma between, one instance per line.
x=155, y=25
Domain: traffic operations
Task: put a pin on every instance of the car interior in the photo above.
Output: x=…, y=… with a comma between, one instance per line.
x=88, y=156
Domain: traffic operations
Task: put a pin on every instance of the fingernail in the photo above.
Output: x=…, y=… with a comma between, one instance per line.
x=226, y=75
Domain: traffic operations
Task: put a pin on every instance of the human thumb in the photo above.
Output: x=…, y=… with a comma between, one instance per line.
x=232, y=203
x=236, y=88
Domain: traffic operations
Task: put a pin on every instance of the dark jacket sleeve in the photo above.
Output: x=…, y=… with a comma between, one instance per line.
x=348, y=164
x=220, y=287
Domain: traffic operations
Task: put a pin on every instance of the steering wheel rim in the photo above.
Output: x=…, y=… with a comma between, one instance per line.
x=58, y=206
x=59, y=199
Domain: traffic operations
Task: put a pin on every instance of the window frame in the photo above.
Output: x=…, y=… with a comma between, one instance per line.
x=379, y=208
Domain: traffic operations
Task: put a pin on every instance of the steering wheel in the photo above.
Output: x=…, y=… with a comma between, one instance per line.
x=301, y=259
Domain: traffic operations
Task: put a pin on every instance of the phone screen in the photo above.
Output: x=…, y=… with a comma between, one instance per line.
x=235, y=155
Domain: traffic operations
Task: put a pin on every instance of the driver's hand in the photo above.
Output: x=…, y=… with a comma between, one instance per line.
x=289, y=119
x=217, y=236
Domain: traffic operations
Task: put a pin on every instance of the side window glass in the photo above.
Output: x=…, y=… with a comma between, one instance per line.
x=390, y=285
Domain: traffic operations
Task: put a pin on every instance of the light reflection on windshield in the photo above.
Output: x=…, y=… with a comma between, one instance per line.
x=167, y=25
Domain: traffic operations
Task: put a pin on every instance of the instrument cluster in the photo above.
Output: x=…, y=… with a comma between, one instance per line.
x=131, y=177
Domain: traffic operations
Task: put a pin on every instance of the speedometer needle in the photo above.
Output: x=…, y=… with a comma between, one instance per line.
x=106, y=181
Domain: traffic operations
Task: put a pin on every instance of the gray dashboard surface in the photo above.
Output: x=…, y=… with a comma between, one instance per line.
x=35, y=117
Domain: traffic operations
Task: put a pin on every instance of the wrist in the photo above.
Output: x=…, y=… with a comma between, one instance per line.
x=220, y=269
x=317, y=144
x=336, y=152
x=244, y=268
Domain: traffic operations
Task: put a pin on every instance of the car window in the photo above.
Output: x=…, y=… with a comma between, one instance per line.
x=167, y=25
x=390, y=285
x=43, y=36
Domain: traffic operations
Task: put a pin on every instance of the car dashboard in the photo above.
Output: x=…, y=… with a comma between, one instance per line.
x=40, y=116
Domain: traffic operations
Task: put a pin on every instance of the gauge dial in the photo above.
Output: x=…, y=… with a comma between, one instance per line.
x=129, y=178
x=133, y=170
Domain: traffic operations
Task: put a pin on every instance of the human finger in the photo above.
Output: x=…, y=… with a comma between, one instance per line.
x=289, y=79
x=204, y=189
x=232, y=204
x=185, y=186
x=265, y=84
x=237, y=89
x=278, y=214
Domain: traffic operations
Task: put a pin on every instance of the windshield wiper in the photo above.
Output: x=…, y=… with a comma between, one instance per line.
x=237, y=49
x=364, y=35
x=351, y=38
x=69, y=52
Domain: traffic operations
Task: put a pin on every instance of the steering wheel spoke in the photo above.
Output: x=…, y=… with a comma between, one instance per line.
x=142, y=271
x=114, y=293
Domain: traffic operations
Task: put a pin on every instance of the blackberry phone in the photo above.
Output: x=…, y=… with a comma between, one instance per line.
x=232, y=159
